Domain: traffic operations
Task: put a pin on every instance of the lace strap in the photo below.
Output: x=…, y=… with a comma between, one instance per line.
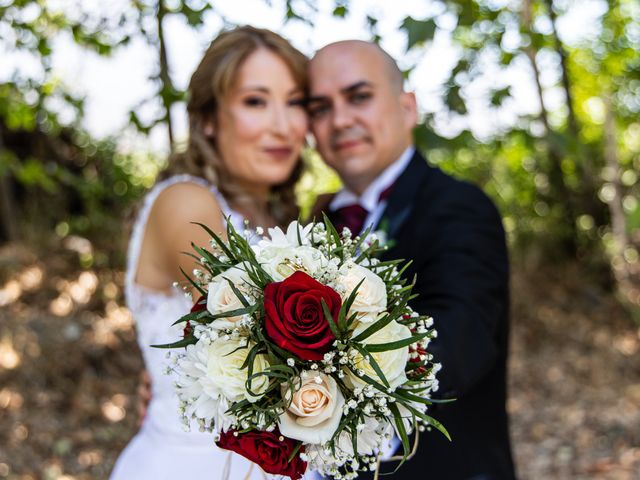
x=137, y=234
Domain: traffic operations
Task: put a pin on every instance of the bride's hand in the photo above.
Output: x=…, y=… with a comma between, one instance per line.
x=144, y=396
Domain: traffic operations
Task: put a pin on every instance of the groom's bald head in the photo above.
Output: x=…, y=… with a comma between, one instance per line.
x=360, y=115
x=369, y=52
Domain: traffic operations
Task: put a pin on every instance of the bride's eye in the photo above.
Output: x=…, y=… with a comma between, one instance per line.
x=297, y=102
x=254, y=102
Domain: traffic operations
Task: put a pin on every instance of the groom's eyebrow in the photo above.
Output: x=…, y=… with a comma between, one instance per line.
x=356, y=86
x=344, y=91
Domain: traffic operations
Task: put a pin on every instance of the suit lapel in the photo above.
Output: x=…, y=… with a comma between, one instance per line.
x=402, y=198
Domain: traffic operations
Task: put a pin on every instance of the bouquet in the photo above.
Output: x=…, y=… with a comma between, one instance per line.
x=302, y=351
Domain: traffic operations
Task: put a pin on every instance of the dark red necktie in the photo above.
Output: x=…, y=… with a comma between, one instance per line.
x=353, y=216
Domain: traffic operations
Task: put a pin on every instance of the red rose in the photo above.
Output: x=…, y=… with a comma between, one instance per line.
x=200, y=304
x=294, y=317
x=270, y=450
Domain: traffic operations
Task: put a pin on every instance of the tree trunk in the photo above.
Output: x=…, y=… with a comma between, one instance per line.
x=8, y=208
x=585, y=168
x=627, y=277
x=562, y=193
x=618, y=219
x=165, y=78
x=566, y=85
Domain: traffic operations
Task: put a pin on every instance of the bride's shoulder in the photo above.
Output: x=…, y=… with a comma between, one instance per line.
x=183, y=201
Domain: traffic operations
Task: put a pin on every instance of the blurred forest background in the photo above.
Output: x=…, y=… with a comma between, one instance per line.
x=566, y=180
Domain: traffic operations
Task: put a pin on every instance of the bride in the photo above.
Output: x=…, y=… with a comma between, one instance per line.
x=247, y=129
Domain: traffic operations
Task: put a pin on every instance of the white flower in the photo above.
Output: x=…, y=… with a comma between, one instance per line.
x=315, y=409
x=370, y=436
x=371, y=297
x=295, y=233
x=391, y=362
x=221, y=297
x=281, y=262
x=213, y=370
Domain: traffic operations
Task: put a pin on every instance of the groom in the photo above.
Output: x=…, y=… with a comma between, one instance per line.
x=362, y=120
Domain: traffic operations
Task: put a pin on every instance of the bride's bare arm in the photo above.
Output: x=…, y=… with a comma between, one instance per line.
x=171, y=230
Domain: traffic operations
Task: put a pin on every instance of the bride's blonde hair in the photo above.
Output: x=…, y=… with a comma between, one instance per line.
x=213, y=79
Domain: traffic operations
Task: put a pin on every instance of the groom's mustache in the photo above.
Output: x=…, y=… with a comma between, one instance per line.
x=344, y=137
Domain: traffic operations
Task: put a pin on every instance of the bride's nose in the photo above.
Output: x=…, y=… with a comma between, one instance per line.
x=280, y=120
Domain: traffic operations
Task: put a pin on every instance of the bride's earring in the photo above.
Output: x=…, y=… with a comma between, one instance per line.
x=209, y=130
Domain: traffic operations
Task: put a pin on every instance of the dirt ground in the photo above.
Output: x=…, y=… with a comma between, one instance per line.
x=69, y=366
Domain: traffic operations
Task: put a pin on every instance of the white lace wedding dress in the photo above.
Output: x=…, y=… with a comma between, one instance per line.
x=162, y=449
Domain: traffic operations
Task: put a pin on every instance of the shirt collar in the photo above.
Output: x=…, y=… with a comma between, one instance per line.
x=369, y=198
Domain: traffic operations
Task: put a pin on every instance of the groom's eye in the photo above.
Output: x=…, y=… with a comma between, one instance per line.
x=360, y=97
x=317, y=109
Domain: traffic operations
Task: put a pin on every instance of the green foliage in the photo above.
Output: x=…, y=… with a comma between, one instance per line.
x=547, y=172
x=418, y=31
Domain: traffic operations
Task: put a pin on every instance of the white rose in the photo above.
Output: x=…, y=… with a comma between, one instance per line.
x=221, y=297
x=315, y=410
x=391, y=362
x=281, y=262
x=371, y=297
x=223, y=372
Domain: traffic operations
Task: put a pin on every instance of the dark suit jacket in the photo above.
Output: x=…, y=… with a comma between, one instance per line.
x=454, y=235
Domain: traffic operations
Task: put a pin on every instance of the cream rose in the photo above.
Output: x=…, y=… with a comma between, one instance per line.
x=391, y=362
x=225, y=375
x=221, y=297
x=315, y=409
x=281, y=262
x=371, y=297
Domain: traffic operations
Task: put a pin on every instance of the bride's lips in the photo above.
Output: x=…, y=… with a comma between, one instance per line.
x=279, y=153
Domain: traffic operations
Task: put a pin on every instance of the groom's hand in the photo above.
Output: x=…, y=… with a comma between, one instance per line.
x=144, y=396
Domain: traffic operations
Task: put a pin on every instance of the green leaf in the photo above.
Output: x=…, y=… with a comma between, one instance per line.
x=346, y=305
x=418, y=31
x=332, y=233
x=499, y=96
x=339, y=11
x=295, y=452
x=250, y=356
x=234, y=313
x=372, y=361
x=384, y=347
x=454, y=100
x=405, y=395
x=380, y=324
x=194, y=284
x=377, y=326
x=329, y=317
x=238, y=293
x=190, y=340
x=430, y=420
x=217, y=239
x=402, y=432
x=192, y=316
